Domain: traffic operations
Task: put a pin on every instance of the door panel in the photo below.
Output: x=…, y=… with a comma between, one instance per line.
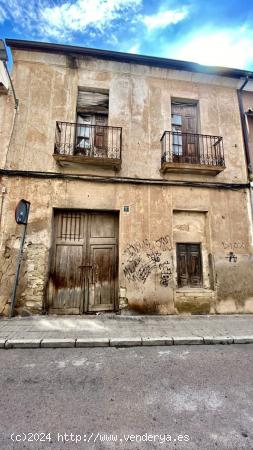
x=67, y=278
x=101, y=136
x=102, y=286
x=84, y=265
x=103, y=232
x=182, y=265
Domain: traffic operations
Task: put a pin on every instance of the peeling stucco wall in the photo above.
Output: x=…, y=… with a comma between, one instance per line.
x=158, y=216
x=147, y=258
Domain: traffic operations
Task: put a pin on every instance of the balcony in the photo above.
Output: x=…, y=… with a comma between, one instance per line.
x=192, y=153
x=88, y=144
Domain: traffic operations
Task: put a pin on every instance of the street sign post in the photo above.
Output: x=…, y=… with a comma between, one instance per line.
x=21, y=217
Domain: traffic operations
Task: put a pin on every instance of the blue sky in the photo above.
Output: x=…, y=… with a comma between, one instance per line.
x=206, y=31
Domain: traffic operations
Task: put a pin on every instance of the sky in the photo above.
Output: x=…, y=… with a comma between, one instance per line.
x=210, y=32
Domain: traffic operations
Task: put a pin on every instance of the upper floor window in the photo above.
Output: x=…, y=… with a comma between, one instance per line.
x=92, y=122
x=184, y=126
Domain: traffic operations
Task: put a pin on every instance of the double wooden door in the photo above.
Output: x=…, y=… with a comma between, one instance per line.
x=189, y=265
x=84, y=267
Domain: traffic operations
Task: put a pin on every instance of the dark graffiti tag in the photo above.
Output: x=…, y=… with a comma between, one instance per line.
x=129, y=269
x=166, y=273
x=164, y=243
x=161, y=244
x=145, y=257
x=154, y=256
x=144, y=271
x=233, y=245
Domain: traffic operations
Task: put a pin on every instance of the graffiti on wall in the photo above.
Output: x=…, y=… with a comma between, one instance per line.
x=166, y=273
x=145, y=257
x=231, y=257
x=233, y=245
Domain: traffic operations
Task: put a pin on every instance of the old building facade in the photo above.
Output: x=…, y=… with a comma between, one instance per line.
x=136, y=172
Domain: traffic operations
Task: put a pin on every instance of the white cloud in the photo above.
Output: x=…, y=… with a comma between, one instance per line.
x=134, y=49
x=229, y=48
x=59, y=21
x=163, y=19
x=2, y=15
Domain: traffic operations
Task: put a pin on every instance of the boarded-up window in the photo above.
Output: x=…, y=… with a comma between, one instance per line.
x=92, y=102
x=189, y=266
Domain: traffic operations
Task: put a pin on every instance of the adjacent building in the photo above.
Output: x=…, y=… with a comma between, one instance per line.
x=137, y=175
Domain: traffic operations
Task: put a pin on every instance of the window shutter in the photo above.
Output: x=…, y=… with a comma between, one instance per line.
x=92, y=102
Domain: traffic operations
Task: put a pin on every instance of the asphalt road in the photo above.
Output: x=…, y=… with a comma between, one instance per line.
x=195, y=397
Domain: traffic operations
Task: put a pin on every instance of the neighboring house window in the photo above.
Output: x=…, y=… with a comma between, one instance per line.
x=189, y=265
x=92, y=120
x=185, y=144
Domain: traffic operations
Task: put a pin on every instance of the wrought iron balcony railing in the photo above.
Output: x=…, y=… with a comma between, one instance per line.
x=192, y=149
x=88, y=141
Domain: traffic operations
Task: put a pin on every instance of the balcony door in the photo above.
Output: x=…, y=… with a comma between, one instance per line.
x=185, y=145
x=92, y=135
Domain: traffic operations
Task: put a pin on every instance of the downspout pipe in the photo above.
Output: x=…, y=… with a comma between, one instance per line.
x=244, y=126
x=246, y=141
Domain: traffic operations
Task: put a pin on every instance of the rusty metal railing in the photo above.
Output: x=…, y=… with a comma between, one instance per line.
x=190, y=148
x=94, y=141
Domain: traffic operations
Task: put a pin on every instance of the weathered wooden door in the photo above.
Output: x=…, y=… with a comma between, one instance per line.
x=184, y=123
x=189, y=267
x=102, y=256
x=84, y=266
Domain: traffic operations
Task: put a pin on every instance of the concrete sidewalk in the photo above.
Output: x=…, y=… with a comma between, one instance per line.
x=116, y=330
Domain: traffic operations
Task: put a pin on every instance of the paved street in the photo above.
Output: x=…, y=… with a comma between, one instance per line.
x=199, y=396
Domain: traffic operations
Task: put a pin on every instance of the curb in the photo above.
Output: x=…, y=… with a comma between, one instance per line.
x=138, y=341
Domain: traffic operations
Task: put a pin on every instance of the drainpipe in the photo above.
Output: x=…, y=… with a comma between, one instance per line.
x=246, y=140
x=244, y=126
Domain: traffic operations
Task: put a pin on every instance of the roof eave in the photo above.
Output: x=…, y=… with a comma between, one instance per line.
x=127, y=58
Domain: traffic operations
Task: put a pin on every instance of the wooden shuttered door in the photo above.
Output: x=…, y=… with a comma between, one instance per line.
x=189, y=265
x=184, y=121
x=84, y=265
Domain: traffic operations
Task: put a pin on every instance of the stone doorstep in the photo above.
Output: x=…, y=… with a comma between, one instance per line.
x=243, y=339
x=58, y=343
x=157, y=341
x=125, y=342
x=22, y=343
x=188, y=340
x=218, y=339
x=2, y=343
x=92, y=342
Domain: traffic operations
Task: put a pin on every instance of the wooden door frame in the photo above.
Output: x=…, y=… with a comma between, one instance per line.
x=51, y=259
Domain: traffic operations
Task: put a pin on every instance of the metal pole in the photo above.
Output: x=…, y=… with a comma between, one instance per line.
x=20, y=255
